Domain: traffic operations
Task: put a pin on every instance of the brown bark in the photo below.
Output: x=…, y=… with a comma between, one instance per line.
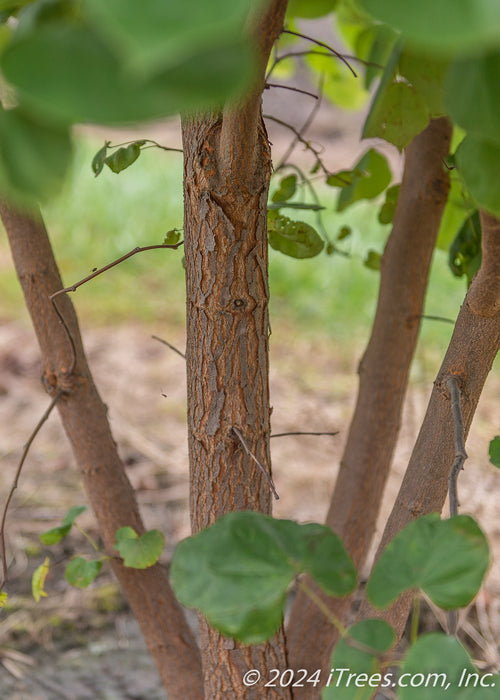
x=472, y=349
x=383, y=372
x=226, y=179
x=84, y=417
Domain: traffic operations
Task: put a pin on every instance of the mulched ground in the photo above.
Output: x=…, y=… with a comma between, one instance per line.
x=82, y=645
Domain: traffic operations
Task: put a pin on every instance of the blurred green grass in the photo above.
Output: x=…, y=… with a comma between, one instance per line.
x=96, y=220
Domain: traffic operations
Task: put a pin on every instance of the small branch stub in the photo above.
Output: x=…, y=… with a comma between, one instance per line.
x=250, y=454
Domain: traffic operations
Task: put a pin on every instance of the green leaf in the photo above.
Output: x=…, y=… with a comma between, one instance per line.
x=426, y=73
x=472, y=95
x=139, y=552
x=388, y=208
x=294, y=238
x=373, y=260
x=310, y=9
x=438, y=666
x=123, y=157
x=447, y=559
x=153, y=34
x=3, y=599
x=38, y=580
x=339, y=84
x=238, y=571
x=478, y=162
x=381, y=38
x=344, y=178
x=443, y=26
x=373, y=117
x=56, y=534
x=370, y=176
x=457, y=208
x=286, y=189
x=465, y=251
x=347, y=659
x=172, y=237
x=344, y=232
x=80, y=572
x=494, y=451
x=34, y=157
x=99, y=159
x=401, y=114
x=69, y=73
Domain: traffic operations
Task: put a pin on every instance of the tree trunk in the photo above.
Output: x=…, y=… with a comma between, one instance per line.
x=84, y=418
x=383, y=372
x=472, y=349
x=226, y=180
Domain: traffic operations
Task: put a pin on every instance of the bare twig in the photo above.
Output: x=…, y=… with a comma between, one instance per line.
x=139, y=249
x=458, y=465
x=301, y=433
x=250, y=454
x=460, y=453
x=300, y=139
x=172, y=347
x=325, y=46
x=291, y=87
x=312, y=52
x=33, y=435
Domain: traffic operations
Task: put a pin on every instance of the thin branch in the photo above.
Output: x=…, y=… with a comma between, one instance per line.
x=26, y=449
x=304, y=128
x=312, y=52
x=154, y=144
x=428, y=317
x=291, y=87
x=325, y=46
x=250, y=454
x=301, y=140
x=74, y=287
x=172, y=347
x=301, y=433
x=459, y=440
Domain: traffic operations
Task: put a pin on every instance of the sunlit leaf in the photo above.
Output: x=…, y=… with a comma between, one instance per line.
x=38, y=580
x=310, y=9
x=478, y=161
x=472, y=95
x=401, y=114
x=3, y=599
x=369, y=177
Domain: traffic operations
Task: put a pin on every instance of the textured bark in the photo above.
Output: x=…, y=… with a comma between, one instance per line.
x=84, y=418
x=226, y=179
x=383, y=372
x=471, y=352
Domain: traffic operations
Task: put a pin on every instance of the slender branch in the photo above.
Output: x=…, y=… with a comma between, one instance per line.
x=301, y=433
x=154, y=144
x=139, y=249
x=304, y=128
x=325, y=46
x=459, y=441
x=26, y=449
x=250, y=454
x=291, y=87
x=428, y=317
x=172, y=347
x=301, y=140
x=312, y=52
